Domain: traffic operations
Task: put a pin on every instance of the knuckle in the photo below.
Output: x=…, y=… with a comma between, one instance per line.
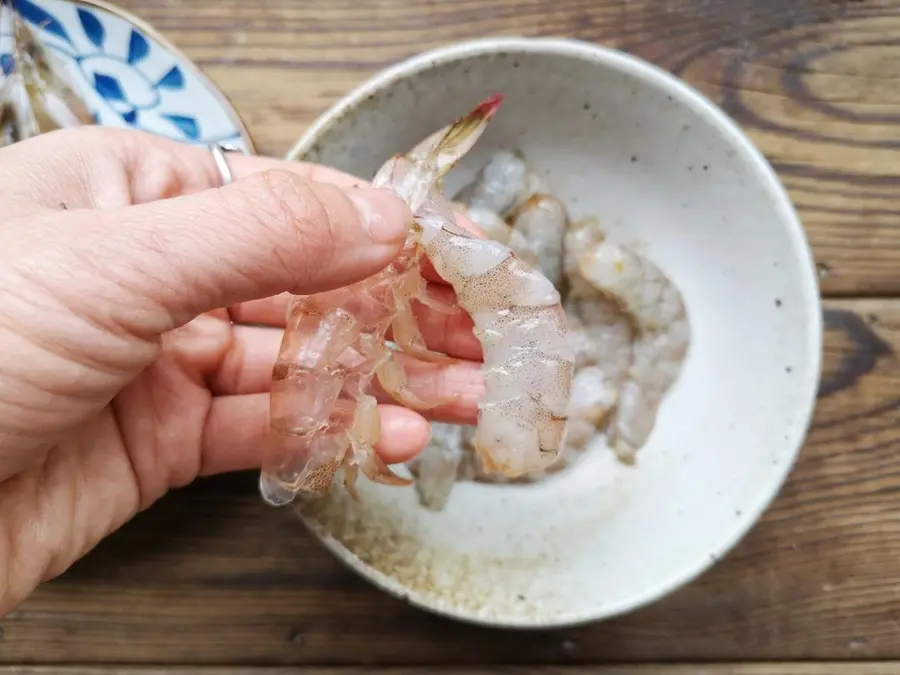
x=89, y=140
x=284, y=201
x=295, y=215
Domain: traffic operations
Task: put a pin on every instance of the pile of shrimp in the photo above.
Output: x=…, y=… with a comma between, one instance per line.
x=35, y=93
x=627, y=325
x=323, y=417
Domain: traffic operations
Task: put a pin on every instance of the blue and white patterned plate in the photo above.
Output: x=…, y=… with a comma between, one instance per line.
x=129, y=75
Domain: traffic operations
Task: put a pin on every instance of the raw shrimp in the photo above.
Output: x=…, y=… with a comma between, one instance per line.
x=35, y=95
x=437, y=467
x=322, y=417
x=602, y=333
x=602, y=339
x=494, y=227
x=537, y=236
x=499, y=186
x=621, y=370
x=542, y=221
x=502, y=185
x=661, y=335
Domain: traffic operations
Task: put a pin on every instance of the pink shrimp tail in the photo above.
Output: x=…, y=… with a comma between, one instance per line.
x=488, y=107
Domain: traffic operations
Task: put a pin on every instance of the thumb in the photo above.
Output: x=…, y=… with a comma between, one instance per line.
x=266, y=233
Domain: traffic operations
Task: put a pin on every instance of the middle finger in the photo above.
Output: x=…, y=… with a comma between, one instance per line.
x=246, y=368
x=448, y=332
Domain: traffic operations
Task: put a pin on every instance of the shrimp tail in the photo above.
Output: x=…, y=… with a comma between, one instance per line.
x=447, y=146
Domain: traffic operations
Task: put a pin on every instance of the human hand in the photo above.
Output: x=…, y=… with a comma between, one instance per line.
x=143, y=310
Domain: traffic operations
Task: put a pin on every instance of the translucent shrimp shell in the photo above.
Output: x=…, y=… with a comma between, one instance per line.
x=517, y=312
x=528, y=362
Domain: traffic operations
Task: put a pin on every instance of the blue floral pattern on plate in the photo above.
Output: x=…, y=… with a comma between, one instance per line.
x=128, y=77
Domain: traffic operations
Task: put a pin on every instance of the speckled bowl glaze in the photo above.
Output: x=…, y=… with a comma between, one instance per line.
x=670, y=173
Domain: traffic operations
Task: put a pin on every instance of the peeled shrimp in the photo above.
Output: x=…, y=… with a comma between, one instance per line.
x=541, y=221
x=621, y=371
x=502, y=185
x=510, y=204
x=602, y=340
x=661, y=341
x=436, y=468
x=499, y=186
x=494, y=227
x=602, y=336
x=36, y=96
x=537, y=235
x=322, y=417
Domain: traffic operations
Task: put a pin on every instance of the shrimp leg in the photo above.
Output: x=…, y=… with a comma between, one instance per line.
x=404, y=327
x=362, y=435
x=394, y=379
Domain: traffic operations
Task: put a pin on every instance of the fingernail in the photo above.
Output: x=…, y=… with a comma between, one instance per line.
x=383, y=213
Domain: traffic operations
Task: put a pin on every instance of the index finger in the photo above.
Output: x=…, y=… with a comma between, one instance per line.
x=104, y=167
x=244, y=165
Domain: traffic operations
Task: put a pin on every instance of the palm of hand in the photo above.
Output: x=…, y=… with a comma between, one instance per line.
x=81, y=466
x=147, y=439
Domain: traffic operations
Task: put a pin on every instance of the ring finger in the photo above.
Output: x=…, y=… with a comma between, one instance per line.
x=448, y=332
x=246, y=368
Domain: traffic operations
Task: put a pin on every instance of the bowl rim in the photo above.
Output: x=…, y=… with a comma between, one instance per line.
x=762, y=171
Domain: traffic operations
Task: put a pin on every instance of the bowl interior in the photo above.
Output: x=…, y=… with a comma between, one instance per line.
x=668, y=174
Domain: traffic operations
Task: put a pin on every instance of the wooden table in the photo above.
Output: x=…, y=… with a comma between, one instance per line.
x=211, y=576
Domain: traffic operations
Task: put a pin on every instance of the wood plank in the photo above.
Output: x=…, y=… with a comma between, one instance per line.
x=784, y=668
x=814, y=82
x=212, y=576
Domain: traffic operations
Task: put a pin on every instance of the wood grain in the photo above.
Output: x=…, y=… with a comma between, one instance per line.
x=211, y=576
x=791, y=668
x=816, y=83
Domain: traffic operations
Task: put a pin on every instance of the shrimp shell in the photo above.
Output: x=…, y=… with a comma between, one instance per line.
x=518, y=317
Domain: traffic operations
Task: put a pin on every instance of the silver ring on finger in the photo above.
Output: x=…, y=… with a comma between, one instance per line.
x=218, y=152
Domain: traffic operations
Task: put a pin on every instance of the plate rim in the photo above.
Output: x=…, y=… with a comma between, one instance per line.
x=147, y=28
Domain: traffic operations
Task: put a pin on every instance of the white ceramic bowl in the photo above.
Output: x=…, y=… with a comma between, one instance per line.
x=667, y=171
